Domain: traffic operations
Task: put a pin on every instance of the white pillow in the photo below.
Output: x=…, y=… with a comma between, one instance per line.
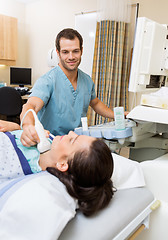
x=35, y=208
x=127, y=173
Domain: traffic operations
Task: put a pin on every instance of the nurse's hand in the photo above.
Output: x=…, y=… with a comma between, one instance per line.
x=30, y=137
x=126, y=113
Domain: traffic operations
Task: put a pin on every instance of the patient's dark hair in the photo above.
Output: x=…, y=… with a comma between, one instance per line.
x=88, y=178
x=70, y=34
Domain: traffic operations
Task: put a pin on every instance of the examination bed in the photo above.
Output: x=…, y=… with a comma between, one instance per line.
x=38, y=207
x=126, y=212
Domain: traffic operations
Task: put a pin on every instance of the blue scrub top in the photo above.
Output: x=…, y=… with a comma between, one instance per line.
x=63, y=106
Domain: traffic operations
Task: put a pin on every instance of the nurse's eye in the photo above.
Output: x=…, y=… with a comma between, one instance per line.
x=65, y=52
x=76, y=51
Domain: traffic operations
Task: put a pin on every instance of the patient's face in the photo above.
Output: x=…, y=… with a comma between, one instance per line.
x=66, y=146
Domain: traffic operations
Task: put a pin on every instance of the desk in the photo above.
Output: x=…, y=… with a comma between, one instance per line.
x=25, y=98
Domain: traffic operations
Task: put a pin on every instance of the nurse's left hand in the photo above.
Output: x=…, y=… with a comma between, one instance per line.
x=47, y=133
x=126, y=113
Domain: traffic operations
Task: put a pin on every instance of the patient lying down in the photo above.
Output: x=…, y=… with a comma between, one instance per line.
x=84, y=164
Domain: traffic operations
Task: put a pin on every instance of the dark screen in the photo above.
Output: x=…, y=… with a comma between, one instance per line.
x=20, y=76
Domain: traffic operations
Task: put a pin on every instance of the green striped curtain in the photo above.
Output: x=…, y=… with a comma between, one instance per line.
x=110, y=66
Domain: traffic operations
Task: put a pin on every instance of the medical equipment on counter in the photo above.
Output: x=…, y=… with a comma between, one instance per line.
x=158, y=99
x=108, y=131
x=149, y=73
x=119, y=118
x=44, y=144
x=146, y=133
x=149, y=139
x=84, y=123
x=149, y=67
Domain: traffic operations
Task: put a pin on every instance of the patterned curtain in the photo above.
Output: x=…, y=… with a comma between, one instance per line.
x=110, y=66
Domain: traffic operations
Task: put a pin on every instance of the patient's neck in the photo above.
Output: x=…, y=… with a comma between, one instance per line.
x=45, y=161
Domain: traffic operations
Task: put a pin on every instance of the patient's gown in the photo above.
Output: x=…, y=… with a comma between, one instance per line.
x=15, y=159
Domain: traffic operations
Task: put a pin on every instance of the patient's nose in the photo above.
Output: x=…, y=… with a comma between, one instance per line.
x=72, y=134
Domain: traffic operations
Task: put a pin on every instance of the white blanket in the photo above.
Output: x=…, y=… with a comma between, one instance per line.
x=36, y=208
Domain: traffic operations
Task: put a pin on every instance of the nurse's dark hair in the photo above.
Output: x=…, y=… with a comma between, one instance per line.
x=70, y=34
x=88, y=178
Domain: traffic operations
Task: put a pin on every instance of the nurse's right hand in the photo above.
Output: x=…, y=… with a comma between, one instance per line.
x=29, y=136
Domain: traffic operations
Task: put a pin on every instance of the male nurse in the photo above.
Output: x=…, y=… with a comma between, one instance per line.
x=62, y=95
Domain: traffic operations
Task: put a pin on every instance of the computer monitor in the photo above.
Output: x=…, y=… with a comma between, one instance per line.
x=20, y=76
x=149, y=67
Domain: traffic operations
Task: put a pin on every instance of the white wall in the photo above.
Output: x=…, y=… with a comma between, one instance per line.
x=39, y=23
x=44, y=19
x=17, y=10
x=155, y=10
x=82, y=21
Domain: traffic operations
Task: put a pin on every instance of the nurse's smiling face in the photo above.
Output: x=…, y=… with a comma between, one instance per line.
x=69, y=54
x=64, y=147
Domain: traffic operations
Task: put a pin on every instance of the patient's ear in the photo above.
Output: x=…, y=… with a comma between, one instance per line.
x=62, y=166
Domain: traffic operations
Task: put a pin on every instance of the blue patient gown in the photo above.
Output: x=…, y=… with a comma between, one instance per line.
x=15, y=159
x=63, y=106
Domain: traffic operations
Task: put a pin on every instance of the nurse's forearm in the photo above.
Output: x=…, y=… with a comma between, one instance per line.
x=100, y=108
x=33, y=103
x=29, y=119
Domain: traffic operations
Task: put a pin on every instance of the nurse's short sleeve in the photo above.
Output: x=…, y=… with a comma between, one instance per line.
x=93, y=93
x=42, y=88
